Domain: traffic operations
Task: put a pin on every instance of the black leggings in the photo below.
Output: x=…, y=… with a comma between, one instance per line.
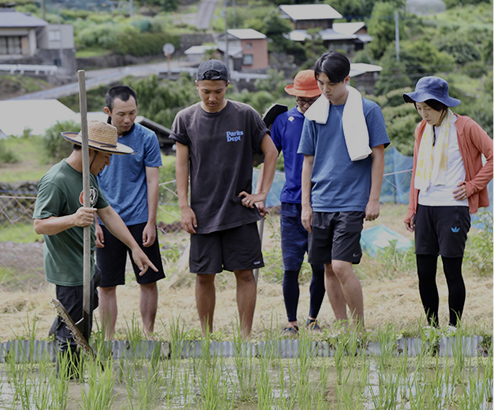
x=291, y=292
x=427, y=267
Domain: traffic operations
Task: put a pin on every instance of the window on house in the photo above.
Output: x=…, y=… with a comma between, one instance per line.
x=248, y=59
x=248, y=45
x=10, y=45
x=54, y=35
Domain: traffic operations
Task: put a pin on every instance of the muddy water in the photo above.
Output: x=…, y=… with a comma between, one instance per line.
x=365, y=382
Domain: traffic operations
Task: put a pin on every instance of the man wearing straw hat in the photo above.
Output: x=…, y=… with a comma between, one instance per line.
x=285, y=132
x=59, y=215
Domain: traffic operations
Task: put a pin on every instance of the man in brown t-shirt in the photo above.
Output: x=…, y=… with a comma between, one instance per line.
x=216, y=139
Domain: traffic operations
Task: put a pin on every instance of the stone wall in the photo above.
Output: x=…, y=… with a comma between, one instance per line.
x=17, y=202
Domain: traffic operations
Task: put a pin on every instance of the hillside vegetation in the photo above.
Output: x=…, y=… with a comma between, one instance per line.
x=456, y=45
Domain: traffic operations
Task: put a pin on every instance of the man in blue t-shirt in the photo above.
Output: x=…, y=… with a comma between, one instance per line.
x=343, y=141
x=285, y=132
x=131, y=185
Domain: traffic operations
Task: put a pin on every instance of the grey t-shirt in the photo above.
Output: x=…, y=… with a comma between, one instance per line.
x=221, y=148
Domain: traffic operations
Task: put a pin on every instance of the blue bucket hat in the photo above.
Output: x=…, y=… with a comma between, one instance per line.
x=431, y=88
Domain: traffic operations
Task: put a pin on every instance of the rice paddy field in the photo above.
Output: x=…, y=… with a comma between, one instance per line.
x=338, y=371
x=394, y=364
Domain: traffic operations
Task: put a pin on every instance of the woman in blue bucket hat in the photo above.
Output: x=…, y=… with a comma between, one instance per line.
x=449, y=181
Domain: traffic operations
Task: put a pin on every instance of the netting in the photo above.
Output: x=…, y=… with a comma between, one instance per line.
x=396, y=181
x=21, y=250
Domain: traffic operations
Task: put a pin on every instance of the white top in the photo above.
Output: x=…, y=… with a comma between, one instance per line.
x=442, y=195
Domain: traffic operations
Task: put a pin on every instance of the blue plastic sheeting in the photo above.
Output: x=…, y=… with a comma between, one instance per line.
x=274, y=194
x=396, y=181
x=379, y=237
x=397, y=177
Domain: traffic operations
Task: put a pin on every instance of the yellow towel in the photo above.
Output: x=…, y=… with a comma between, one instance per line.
x=432, y=166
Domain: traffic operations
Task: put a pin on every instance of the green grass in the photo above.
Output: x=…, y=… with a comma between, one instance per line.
x=16, y=281
x=91, y=52
x=478, y=17
x=20, y=84
x=19, y=233
x=31, y=163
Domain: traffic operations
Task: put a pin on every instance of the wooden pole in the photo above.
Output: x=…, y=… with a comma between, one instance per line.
x=260, y=227
x=86, y=302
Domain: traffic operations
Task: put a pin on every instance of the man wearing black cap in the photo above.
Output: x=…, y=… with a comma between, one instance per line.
x=216, y=140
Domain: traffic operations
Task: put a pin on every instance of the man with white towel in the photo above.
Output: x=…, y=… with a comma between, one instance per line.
x=343, y=141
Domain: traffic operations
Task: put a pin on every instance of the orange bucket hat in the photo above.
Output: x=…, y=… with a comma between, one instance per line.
x=304, y=85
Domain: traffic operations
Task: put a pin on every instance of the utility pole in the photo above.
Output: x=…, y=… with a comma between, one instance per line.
x=60, y=50
x=226, y=36
x=397, y=36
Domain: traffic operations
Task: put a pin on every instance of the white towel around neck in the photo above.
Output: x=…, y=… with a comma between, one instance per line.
x=354, y=125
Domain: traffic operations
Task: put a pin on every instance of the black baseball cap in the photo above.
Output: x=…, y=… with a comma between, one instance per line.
x=212, y=70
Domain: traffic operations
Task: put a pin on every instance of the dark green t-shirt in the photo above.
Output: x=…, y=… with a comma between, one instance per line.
x=59, y=194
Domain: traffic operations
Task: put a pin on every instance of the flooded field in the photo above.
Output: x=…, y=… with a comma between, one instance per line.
x=340, y=373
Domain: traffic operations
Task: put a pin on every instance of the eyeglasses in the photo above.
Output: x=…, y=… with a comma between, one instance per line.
x=304, y=101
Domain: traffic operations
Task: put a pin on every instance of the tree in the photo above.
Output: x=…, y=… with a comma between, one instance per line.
x=393, y=75
x=381, y=27
x=460, y=46
x=424, y=58
x=274, y=83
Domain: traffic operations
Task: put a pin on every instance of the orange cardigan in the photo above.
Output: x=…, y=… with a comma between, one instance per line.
x=472, y=141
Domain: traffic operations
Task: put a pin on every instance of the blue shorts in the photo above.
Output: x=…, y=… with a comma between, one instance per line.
x=232, y=249
x=294, y=237
x=441, y=230
x=336, y=235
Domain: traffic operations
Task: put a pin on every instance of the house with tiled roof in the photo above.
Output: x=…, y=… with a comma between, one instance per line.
x=26, y=39
x=247, y=48
x=348, y=37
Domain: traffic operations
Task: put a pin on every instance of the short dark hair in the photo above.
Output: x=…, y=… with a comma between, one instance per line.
x=335, y=65
x=123, y=92
x=435, y=105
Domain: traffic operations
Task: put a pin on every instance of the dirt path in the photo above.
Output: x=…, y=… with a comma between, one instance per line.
x=393, y=301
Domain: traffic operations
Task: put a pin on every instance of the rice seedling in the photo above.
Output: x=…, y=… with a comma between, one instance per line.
x=98, y=392
x=244, y=366
x=274, y=373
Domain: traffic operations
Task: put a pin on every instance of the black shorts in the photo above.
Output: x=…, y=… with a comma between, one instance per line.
x=232, y=249
x=112, y=259
x=335, y=236
x=441, y=230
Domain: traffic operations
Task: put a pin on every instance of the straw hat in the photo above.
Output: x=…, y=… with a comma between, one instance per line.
x=304, y=85
x=101, y=137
